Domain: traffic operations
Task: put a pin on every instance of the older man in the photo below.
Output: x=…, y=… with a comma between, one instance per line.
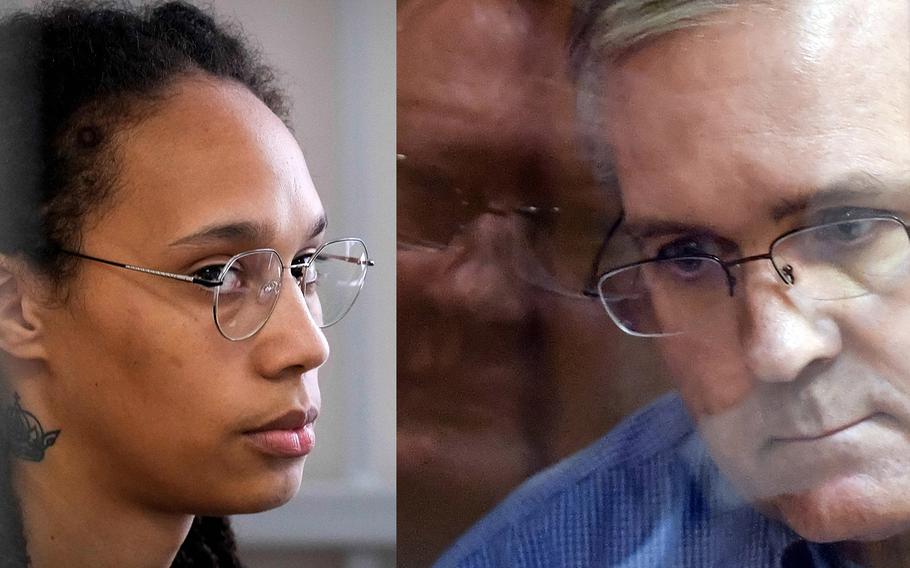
x=763, y=154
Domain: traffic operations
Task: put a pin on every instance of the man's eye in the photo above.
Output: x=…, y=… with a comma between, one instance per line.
x=685, y=247
x=850, y=226
x=835, y=214
x=691, y=271
x=848, y=232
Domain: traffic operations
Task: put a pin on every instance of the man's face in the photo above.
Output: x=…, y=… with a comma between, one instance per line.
x=499, y=373
x=728, y=136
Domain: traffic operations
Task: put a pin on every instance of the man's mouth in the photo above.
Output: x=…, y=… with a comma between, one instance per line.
x=819, y=434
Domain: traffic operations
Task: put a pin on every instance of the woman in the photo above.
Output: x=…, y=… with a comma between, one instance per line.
x=160, y=359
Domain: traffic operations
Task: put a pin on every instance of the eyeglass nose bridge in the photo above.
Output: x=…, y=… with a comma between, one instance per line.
x=785, y=273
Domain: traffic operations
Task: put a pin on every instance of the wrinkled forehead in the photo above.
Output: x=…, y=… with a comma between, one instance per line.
x=761, y=104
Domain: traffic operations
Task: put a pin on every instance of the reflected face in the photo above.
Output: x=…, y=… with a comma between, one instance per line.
x=164, y=409
x=469, y=333
x=758, y=123
x=499, y=371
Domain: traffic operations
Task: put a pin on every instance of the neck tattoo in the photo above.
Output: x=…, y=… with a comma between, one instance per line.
x=25, y=434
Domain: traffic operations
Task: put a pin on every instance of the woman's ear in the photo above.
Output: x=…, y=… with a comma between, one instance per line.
x=21, y=331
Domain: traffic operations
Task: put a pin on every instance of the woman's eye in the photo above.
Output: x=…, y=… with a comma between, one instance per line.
x=232, y=281
x=298, y=265
x=211, y=272
x=311, y=279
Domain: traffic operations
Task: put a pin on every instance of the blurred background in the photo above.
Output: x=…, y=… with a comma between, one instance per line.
x=335, y=59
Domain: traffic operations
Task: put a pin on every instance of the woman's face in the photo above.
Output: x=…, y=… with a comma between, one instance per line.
x=153, y=403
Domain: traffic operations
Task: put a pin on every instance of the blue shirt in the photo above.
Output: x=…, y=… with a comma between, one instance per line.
x=647, y=494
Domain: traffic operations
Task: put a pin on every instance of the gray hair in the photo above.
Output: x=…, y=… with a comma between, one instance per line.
x=605, y=31
x=609, y=29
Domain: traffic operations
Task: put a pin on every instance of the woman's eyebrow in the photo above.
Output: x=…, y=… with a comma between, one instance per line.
x=319, y=226
x=240, y=231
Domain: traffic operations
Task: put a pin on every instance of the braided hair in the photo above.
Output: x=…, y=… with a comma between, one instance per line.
x=72, y=75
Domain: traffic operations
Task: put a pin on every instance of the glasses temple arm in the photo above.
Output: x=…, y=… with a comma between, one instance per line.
x=182, y=277
x=351, y=259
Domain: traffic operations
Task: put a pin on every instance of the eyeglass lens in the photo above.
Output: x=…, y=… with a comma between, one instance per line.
x=252, y=282
x=834, y=261
x=334, y=279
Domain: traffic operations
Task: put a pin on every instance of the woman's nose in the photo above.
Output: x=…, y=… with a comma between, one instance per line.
x=292, y=338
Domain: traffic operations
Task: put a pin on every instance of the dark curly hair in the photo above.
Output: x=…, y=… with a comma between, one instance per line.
x=73, y=75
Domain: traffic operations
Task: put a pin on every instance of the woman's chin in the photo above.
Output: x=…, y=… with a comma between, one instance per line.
x=275, y=492
x=268, y=490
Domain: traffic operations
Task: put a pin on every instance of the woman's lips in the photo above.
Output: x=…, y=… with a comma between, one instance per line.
x=292, y=443
x=291, y=435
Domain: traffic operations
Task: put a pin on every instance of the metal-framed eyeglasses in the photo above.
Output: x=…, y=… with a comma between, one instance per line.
x=835, y=260
x=246, y=287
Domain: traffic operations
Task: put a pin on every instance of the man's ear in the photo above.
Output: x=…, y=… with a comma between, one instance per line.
x=21, y=329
